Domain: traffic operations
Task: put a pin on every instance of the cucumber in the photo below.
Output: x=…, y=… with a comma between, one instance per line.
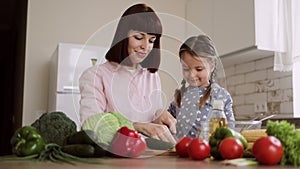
x=82, y=137
x=100, y=150
x=79, y=150
x=156, y=144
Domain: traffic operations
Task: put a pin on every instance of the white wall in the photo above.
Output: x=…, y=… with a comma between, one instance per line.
x=255, y=82
x=75, y=21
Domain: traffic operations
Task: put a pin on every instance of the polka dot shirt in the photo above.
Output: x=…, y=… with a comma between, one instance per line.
x=189, y=116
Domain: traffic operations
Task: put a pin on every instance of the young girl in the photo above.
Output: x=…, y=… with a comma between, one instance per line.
x=193, y=103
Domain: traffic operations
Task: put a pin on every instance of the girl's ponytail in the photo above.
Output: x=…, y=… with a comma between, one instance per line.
x=205, y=96
x=179, y=92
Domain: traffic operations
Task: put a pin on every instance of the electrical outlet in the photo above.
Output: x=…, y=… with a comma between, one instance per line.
x=260, y=107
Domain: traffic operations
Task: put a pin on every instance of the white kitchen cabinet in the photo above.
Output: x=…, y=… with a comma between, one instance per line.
x=230, y=24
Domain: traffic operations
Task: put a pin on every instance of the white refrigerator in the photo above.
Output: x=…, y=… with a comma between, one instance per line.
x=67, y=64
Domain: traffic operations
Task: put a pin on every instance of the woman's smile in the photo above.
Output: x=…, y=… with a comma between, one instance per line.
x=141, y=54
x=140, y=45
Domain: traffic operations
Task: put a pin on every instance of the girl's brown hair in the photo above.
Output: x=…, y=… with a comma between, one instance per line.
x=198, y=46
x=139, y=17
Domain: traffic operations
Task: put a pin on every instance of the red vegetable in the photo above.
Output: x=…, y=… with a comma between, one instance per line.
x=199, y=149
x=267, y=150
x=182, y=146
x=128, y=143
x=231, y=148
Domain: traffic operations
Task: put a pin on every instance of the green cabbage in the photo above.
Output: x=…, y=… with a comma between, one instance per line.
x=106, y=124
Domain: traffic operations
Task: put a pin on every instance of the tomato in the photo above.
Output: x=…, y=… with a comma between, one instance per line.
x=267, y=150
x=182, y=146
x=231, y=148
x=199, y=149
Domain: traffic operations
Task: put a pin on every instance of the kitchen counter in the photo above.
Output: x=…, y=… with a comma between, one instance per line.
x=158, y=161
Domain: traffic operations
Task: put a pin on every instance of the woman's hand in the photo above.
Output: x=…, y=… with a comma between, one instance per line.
x=166, y=118
x=158, y=131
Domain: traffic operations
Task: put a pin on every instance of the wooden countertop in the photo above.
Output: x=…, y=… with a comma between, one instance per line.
x=157, y=160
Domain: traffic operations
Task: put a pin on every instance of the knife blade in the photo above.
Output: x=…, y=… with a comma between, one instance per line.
x=156, y=144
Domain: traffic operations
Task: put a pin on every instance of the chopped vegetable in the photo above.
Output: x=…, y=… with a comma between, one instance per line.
x=27, y=141
x=290, y=139
x=55, y=127
x=106, y=124
x=241, y=162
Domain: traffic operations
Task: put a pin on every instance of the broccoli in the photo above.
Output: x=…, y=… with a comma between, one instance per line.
x=55, y=127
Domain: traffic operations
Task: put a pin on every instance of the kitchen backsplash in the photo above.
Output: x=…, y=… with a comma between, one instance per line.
x=256, y=82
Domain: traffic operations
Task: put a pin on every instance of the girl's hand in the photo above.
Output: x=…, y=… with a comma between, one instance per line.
x=166, y=118
x=158, y=131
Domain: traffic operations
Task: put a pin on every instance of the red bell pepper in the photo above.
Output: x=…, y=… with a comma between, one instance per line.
x=128, y=143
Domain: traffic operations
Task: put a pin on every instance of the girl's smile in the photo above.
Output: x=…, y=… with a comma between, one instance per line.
x=196, y=71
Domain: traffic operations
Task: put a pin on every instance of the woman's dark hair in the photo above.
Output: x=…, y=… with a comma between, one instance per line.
x=203, y=47
x=139, y=17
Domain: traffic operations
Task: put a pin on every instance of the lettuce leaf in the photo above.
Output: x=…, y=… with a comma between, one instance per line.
x=290, y=139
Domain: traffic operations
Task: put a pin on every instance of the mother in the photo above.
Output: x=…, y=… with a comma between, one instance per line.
x=128, y=82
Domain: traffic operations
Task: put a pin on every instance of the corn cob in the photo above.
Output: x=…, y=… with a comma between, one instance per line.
x=253, y=135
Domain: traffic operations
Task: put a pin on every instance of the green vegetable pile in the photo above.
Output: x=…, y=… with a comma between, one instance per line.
x=28, y=144
x=53, y=137
x=290, y=139
x=55, y=127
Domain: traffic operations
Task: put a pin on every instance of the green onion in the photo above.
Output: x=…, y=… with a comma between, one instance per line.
x=52, y=152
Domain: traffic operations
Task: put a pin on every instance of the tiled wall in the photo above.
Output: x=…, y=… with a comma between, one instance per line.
x=256, y=82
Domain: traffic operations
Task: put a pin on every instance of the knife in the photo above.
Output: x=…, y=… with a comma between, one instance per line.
x=156, y=144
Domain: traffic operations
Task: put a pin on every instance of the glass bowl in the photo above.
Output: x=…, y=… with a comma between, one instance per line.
x=247, y=125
